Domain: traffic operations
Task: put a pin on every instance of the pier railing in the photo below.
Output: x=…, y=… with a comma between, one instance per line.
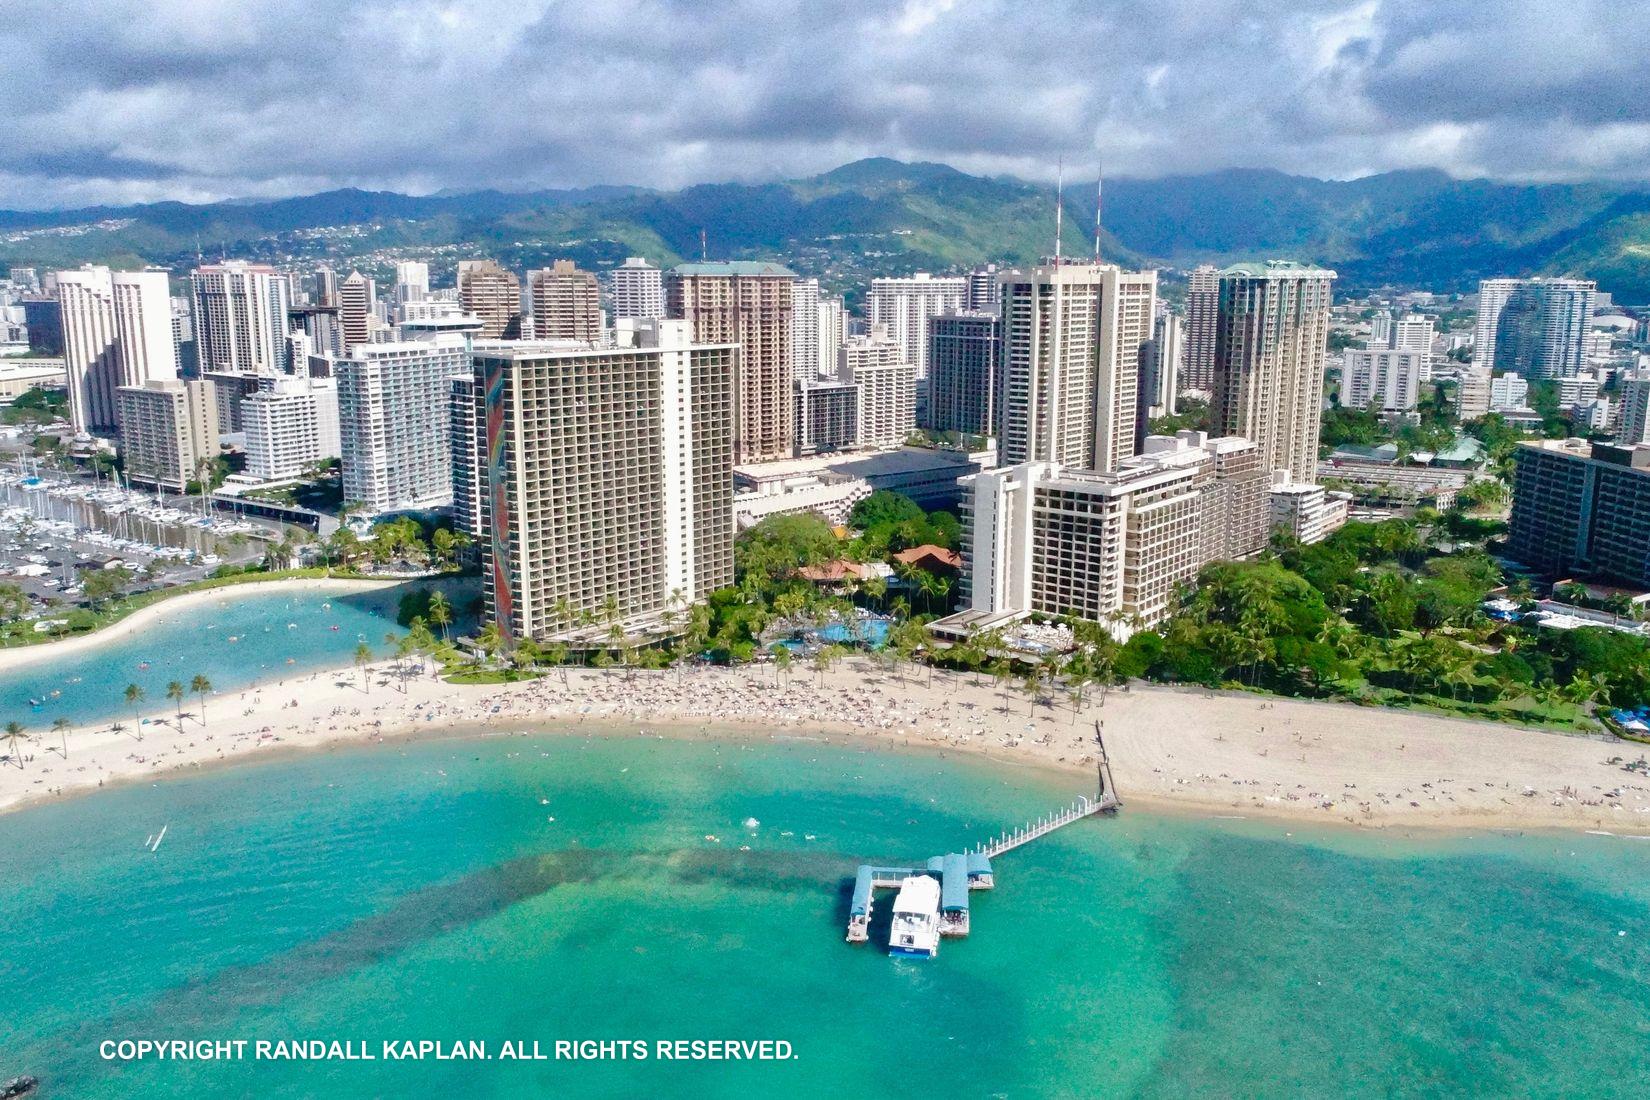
x=1009, y=840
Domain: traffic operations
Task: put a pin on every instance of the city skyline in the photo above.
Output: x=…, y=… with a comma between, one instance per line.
x=1354, y=89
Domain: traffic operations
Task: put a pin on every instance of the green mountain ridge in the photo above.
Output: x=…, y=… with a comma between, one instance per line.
x=1409, y=229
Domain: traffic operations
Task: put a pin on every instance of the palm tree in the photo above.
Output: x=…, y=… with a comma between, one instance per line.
x=200, y=685
x=14, y=730
x=134, y=696
x=175, y=692
x=363, y=657
x=557, y=653
x=441, y=612
x=490, y=640
x=61, y=726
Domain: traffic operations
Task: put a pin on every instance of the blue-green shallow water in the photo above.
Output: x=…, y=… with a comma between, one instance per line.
x=194, y=640
x=419, y=891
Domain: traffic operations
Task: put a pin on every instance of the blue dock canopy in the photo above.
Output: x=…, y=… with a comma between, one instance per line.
x=862, y=891
x=978, y=864
x=954, y=882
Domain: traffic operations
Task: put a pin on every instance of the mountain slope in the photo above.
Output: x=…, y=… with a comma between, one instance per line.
x=1418, y=228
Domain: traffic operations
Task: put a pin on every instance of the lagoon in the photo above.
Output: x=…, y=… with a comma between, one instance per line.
x=241, y=636
x=544, y=887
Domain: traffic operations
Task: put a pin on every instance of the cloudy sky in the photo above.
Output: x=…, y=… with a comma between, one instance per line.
x=118, y=101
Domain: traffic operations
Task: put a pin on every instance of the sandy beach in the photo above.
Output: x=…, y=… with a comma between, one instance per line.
x=1211, y=752
x=173, y=607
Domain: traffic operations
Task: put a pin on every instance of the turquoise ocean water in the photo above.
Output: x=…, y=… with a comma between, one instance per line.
x=422, y=891
x=277, y=633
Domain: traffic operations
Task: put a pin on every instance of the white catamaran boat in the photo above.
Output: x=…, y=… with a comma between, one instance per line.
x=916, y=928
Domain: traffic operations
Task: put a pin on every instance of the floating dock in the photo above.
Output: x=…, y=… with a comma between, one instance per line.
x=960, y=872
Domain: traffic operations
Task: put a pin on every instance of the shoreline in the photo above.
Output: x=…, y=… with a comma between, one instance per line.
x=17, y=656
x=1211, y=754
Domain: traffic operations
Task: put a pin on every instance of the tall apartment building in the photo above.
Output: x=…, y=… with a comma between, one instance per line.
x=638, y=290
x=827, y=415
x=1161, y=362
x=1071, y=340
x=1535, y=327
x=168, y=431
x=1202, y=317
x=567, y=303
x=291, y=422
x=492, y=294
x=905, y=304
x=1582, y=508
x=982, y=290
x=1387, y=380
x=394, y=426
x=240, y=317
x=804, y=325
x=963, y=352
x=1271, y=341
x=356, y=298
x=833, y=329
x=746, y=303
x=44, y=320
x=467, y=453
x=607, y=476
x=412, y=281
x=887, y=383
x=1635, y=409
x=1111, y=547
x=323, y=286
x=117, y=331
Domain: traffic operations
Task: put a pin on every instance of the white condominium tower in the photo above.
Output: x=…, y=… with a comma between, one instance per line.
x=606, y=479
x=1271, y=344
x=412, y=281
x=833, y=329
x=394, y=429
x=804, y=326
x=290, y=423
x=1535, y=327
x=240, y=317
x=1071, y=342
x=638, y=290
x=887, y=385
x=567, y=303
x=117, y=331
x=905, y=305
x=493, y=294
x=748, y=303
x=1197, y=370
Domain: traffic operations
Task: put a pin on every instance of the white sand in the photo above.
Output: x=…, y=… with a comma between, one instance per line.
x=1222, y=753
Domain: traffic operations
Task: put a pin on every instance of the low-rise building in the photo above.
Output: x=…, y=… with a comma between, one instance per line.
x=1308, y=513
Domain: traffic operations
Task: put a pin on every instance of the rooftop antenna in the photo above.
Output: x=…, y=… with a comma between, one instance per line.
x=1099, y=196
x=1059, y=205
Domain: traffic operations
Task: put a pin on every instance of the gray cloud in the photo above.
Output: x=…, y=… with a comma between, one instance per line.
x=191, y=99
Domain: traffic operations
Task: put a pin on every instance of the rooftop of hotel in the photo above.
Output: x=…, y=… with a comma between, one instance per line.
x=735, y=267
